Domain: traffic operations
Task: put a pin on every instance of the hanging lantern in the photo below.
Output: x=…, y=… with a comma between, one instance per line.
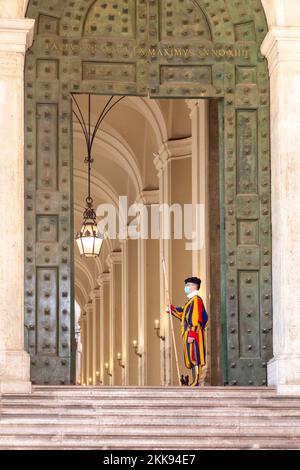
x=89, y=239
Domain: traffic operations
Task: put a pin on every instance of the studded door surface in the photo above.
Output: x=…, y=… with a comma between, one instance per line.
x=167, y=48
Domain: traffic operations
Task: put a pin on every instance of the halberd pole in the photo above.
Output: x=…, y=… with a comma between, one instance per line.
x=171, y=318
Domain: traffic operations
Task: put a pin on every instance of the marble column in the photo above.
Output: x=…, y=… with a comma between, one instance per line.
x=78, y=337
x=95, y=296
x=15, y=37
x=114, y=261
x=125, y=313
x=105, y=305
x=200, y=196
x=163, y=173
x=84, y=348
x=282, y=49
x=100, y=333
x=141, y=299
x=200, y=150
x=89, y=343
x=132, y=274
x=173, y=163
x=148, y=292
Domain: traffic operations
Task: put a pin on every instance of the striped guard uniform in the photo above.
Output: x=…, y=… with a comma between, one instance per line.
x=194, y=319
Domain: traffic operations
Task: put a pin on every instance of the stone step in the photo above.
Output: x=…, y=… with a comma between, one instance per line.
x=149, y=418
x=163, y=397
x=125, y=403
x=154, y=391
x=137, y=420
x=153, y=430
x=161, y=394
x=71, y=441
x=86, y=413
x=141, y=389
x=216, y=392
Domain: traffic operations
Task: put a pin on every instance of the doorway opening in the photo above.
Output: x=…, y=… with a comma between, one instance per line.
x=87, y=48
x=162, y=159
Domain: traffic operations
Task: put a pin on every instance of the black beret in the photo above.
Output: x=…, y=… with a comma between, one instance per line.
x=193, y=280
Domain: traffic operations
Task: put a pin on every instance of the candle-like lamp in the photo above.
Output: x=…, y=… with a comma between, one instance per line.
x=119, y=359
x=135, y=347
x=157, y=329
x=107, y=369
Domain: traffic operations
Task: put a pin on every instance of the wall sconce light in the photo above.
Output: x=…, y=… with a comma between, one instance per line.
x=135, y=347
x=119, y=359
x=90, y=380
x=157, y=329
x=98, y=377
x=107, y=369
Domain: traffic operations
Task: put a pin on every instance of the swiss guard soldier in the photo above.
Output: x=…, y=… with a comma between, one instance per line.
x=194, y=320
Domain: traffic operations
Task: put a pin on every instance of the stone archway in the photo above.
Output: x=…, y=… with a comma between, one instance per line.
x=164, y=49
x=283, y=20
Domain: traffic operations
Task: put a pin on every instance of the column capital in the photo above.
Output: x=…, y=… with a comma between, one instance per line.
x=115, y=257
x=103, y=278
x=95, y=294
x=88, y=308
x=148, y=197
x=281, y=44
x=161, y=158
x=193, y=104
x=16, y=35
x=180, y=148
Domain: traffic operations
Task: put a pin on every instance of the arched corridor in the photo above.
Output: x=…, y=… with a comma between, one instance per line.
x=142, y=144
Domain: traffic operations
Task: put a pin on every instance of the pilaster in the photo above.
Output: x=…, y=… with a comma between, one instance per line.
x=282, y=49
x=15, y=36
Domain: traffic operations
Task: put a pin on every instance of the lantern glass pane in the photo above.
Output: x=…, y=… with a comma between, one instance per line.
x=98, y=243
x=90, y=240
x=79, y=244
x=88, y=246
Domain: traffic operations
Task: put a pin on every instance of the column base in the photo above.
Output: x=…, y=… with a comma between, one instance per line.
x=14, y=372
x=14, y=386
x=284, y=374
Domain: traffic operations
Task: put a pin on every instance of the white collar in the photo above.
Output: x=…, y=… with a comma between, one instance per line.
x=192, y=294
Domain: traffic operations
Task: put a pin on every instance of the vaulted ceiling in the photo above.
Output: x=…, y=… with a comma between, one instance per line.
x=131, y=133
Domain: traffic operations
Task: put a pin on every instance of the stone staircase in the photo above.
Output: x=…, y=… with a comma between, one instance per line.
x=150, y=418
